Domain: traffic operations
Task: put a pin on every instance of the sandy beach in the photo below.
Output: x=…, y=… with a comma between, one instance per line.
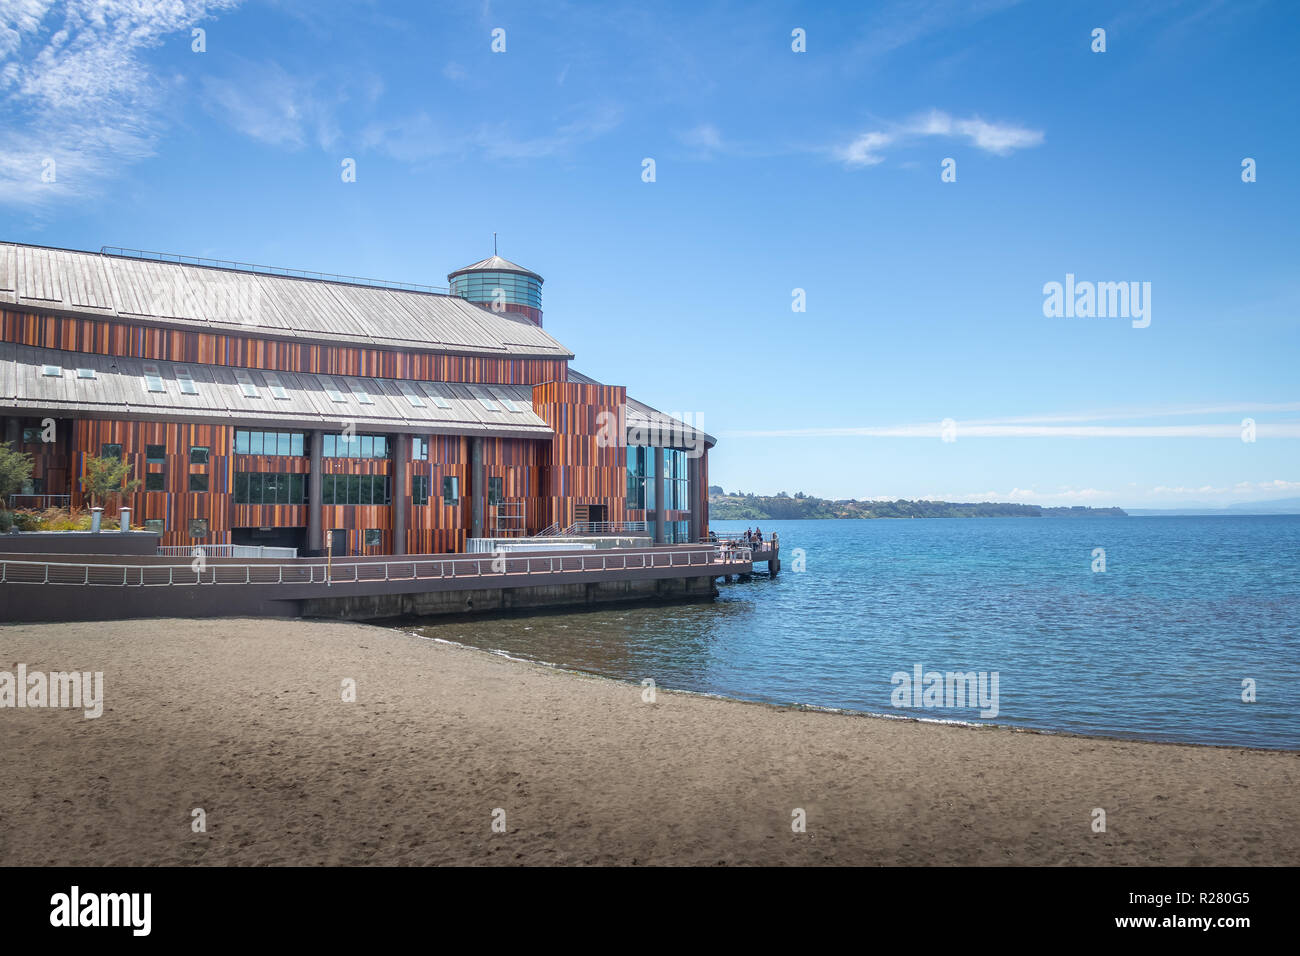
x=245, y=720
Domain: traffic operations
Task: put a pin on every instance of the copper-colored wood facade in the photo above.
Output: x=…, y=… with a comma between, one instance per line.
x=548, y=481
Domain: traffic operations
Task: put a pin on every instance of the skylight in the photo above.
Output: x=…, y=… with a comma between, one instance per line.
x=438, y=400
x=85, y=373
x=187, y=383
x=361, y=394
x=332, y=389
x=273, y=383
x=245, y=383
x=52, y=371
x=153, y=379
x=411, y=394
x=510, y=404
x=486, y=402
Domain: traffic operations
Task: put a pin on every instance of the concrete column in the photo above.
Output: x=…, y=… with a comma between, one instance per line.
x=315, y=522
x=477, y=487
x=693, y=490
x=659, y=495
x=401, y=499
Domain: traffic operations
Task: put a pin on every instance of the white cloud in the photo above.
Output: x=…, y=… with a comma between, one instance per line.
x=865, y=150
x=268, y=104
x=74, y=89
x=1001, y=139
x=705, y=138
x=420, y=138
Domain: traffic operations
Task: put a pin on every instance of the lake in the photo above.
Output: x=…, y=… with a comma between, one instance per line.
x=1188, y=615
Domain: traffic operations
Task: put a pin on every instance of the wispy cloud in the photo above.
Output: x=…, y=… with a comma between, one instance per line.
x=76, y=99
x=1068, y=425
x=421, y=137
x=1000, y=139
x=266, y=103
x=704, y=139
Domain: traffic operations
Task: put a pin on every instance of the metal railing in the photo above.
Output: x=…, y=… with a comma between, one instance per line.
x=420, y=569
x=269, y=270
x=39, y=501
x=604, y=527
x=550, y=531
x=740, y=536
x=225, y=551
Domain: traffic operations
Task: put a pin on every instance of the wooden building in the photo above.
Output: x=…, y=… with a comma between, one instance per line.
x=261, y=406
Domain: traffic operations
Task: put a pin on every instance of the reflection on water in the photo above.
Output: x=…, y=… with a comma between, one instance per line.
x=1155, y=647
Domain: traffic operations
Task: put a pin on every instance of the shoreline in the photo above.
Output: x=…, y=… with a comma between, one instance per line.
x=843, y=711
x=244, y=719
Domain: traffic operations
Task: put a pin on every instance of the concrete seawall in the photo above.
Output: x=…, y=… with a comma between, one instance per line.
x=371, y=607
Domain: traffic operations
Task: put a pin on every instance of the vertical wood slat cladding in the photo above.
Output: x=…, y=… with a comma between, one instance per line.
x=583, y=469
x=519, y=463
x=176, y=505
x=112, y=337
x=437, y=528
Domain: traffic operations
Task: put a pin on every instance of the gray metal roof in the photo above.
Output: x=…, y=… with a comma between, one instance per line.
x=230, y=300
x=652, y=422
x=495, y=264
x=118, y=390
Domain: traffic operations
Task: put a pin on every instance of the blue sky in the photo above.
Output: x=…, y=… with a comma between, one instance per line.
x=775, y=170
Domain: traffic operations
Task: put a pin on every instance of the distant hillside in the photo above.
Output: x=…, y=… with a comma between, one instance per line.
x=738, y=507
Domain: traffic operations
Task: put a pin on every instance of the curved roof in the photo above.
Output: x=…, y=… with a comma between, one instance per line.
x=495, y=264
x=232, y=395
x=212, y=299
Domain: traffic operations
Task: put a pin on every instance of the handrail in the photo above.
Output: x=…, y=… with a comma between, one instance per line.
x=199, y=573
x=236, y=266
x=45, y=499
x=603, y=527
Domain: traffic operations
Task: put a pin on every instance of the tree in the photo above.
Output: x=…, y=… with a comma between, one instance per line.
x=15, y=470
x=716, y=490
x=106, y=477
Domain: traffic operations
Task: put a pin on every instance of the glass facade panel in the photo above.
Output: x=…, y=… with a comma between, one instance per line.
x=482, y=287
x=359, y=446
x=641, y=480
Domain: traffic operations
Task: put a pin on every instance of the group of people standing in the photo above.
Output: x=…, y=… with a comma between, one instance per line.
x=754, y=537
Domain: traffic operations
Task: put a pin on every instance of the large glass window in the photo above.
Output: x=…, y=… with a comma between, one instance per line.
x=110, y=450
x=451, y=490
x=270, y=443
x=270, y=488
x=354, y=489
x=154, y=481
x=420, y=489
x=496, y=490
x=355, y=446
x=641, y=479
x=155, y=454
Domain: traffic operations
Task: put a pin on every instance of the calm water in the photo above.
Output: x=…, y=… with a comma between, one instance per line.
x=1156, y=647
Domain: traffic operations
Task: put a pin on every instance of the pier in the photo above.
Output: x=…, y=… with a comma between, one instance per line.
x=70, y=587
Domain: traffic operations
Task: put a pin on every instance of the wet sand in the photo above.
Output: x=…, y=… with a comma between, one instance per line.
x=245, y=720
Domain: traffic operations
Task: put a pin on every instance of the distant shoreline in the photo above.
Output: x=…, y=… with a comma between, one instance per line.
x=723, y=507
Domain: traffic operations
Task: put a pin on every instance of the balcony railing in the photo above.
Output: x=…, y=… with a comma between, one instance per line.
x=225, y=551
x=29, y=502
